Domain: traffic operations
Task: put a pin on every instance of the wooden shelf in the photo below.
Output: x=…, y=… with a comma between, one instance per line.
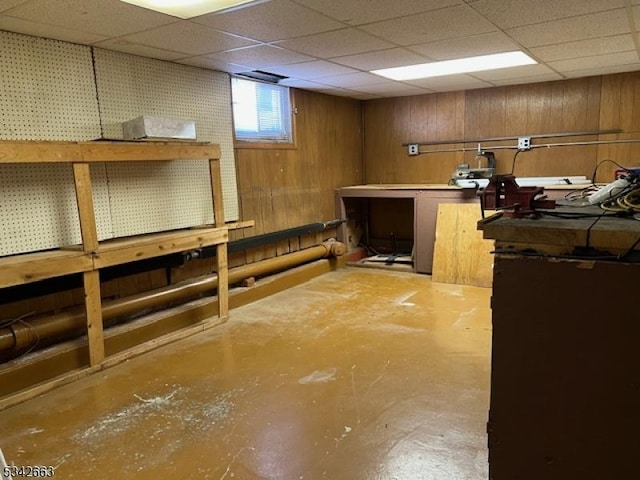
x=99, y=151
x=32, y=267
x=116, y=252
x=92, y=256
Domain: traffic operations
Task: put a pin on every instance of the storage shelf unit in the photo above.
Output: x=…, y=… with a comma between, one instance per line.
x=91, y=255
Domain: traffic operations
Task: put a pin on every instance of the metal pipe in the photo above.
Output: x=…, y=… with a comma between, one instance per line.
x=23, y=334
x=498, y=139
x=543, y=145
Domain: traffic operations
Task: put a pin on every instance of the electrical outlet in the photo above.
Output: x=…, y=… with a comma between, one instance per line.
x=413, y=149
x=524, y=143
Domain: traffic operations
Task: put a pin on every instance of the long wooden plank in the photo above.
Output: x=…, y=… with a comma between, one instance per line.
x=39, y=152
x=93, y=309
x=139, y=248
x=222, y=262
x=460, y=254
x=32, y=267
x=84, y=197
x=137, y=151
x=62, y=152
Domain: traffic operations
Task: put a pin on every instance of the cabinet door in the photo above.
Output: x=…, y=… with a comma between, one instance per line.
x=565, y=385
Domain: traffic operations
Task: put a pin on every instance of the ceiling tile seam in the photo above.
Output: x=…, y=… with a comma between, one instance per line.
x=632, y=26
x=520, y=45
x=570, y=17
x=413, y=14
x=119, y=37
x=4, y=12
x=590, y=56
x=8, y=14
x=63, y=28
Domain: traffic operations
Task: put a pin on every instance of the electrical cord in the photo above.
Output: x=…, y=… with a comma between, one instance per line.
x=513, y=162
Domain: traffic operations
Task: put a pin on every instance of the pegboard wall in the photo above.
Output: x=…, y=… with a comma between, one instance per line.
x=131, y=86
x=38, y=208
x=47, y=90
x=50, y=90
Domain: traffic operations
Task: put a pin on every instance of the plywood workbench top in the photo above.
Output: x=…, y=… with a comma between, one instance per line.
x=610, y=232
x=403, y=186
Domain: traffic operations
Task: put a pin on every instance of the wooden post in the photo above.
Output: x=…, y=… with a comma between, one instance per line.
x=91, y=280
x=222, y=263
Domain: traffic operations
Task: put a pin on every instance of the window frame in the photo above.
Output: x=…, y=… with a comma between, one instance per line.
x=260, y=143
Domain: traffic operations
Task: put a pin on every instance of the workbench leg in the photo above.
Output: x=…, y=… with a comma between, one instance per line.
x=222, y=265
x=93, y=309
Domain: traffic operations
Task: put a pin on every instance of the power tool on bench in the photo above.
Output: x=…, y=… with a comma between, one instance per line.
x=465, y=172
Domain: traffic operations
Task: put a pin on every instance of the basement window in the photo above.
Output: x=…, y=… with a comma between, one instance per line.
x=261, y=112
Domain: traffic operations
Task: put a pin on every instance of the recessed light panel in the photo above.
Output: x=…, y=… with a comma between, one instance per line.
x=460, y=65
x=187, y=8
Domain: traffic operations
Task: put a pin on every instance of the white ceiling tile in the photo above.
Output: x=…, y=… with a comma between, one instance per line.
x=484, y=44
x=514, y=13
x=109, y=18
x=449, y=83
x=310, y=70
x=596, y=61
x=274, y=20
x=393, y=57
x=304, y=84
x=397, y=89
x=612, y=22
x=261, y=56
x=213, y=64
x=545, y=77
x=358, y=12
x=187, y=37
x=365, y=96
x=121, y=45
x=440, y=24
x=338, y=43
x=584, y=48
x=28, y=27
x=353, y=80
x=633, y=67
x=7, y=4
x=636, y=16
x=340, y=92
x=515, y=72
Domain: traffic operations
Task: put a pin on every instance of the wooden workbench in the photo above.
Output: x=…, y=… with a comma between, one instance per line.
x=92, y=255
x=565, y=385
x=426, y=198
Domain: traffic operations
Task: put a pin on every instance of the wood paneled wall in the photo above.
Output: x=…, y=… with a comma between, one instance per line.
x=586, y=104
x=290, y=187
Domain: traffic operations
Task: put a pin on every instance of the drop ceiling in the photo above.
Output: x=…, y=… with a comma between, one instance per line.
x=330, y=45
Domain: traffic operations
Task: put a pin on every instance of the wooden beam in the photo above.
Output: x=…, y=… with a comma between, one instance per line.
x=93, y=309
x=39, y=152
x=116, y=252
x=222, y=263
x=240, y=225
x=84, y=197
x=139, y=151
x=64, y=152
x=32, y=267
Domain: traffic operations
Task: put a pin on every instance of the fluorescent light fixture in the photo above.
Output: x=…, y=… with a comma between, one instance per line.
x=187, y=8
x=461, y=65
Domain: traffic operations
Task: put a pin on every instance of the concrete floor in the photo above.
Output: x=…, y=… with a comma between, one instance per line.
x=358, y=374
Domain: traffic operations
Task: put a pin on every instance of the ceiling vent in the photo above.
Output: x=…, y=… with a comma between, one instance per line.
x=263, y=76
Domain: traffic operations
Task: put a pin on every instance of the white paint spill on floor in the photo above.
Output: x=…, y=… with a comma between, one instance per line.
x=319, y=376
x=402, y=301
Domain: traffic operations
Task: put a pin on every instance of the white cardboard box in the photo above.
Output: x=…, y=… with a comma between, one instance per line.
x=148, y=127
